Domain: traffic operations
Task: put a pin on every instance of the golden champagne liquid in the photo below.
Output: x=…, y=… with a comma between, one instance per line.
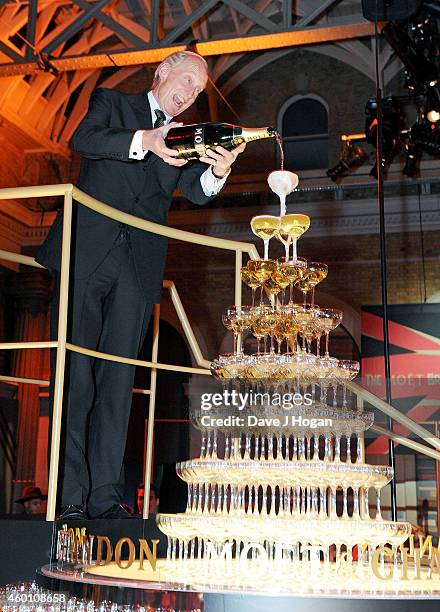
x=262, y=268
x=280, y=146
x=239, y=324
x=265, y=226
x=303, y=284
x=291, y=271
x=327, y=325
x=303, y=318
x=266, y=326
x=272, y=286
x=258, y=329
x=315, y=276
x=280, y=278
x=293, y=225
x=249, y=278
x=283, y=329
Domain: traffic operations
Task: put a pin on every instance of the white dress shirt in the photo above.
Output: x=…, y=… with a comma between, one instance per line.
x=211, y=184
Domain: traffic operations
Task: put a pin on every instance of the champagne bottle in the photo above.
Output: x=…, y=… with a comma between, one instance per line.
x=192, y=141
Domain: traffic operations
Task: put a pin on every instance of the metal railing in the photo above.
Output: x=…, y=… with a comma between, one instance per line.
x=70, y=192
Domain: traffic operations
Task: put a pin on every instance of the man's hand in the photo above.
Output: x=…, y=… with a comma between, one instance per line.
x=221, y=160
x=154, y=141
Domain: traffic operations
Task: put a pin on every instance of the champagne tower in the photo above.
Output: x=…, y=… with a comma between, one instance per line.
x=280, y=496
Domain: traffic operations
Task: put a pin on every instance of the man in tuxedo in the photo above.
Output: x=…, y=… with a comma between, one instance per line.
x=117, y=270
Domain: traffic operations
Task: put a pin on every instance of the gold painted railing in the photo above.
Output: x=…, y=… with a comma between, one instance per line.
x=70, y=192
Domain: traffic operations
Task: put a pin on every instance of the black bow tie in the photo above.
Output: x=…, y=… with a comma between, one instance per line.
x=160, y=118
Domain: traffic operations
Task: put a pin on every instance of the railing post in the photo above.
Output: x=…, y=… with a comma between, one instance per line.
x=61, y=357
x=238, y=264
x=151, y=409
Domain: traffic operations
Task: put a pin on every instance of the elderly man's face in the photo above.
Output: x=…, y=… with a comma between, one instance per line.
x=180, y=85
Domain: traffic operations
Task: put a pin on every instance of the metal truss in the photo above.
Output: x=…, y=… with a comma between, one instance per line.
x=53, y=53
x=65, y=35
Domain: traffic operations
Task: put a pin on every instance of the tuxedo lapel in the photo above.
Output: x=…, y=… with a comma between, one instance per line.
x=141, y=108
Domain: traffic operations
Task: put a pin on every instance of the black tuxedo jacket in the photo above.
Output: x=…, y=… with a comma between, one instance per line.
x=142, y=188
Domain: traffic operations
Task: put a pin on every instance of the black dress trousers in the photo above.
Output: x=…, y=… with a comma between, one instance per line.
x=98, y=392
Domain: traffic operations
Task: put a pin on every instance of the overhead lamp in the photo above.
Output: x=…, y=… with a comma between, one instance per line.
x=433, y=115
x=352, y=155
x=432, y=104
x=390, y=123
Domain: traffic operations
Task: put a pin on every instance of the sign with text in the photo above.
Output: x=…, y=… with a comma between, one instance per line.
x=414, y=334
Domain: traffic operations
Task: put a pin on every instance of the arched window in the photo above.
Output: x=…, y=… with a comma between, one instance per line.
x=303, y=124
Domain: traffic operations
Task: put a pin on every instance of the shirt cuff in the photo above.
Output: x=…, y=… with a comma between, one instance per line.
x=211, y=184
x=136, y=150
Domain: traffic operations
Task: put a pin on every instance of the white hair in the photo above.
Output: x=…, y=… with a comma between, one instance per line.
x=175, y=59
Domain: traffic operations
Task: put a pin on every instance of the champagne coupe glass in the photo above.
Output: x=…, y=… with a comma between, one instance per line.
x=291, y=228
x=280, y=329
x=251, y=281
x=282, y=182
x=316, y=272
x=269, y=321
x=262, y=269
x=281, y=279
x=265, y=227
x=347, y=370
x=237, y=319
x=263, y=322
x=312, y=327
x=240, y=322
x=305, y=317
x=292, y=271
x=272, y=287
x=257, y=329
x=227, y=320
x=291, y=326
x=319, y=331
x=329, y=319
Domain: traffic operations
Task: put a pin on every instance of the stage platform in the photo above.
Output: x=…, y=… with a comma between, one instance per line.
x=29, y=554
x=28, y=544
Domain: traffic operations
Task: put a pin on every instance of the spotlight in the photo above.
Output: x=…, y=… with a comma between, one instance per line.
x=426, y=136
x=390, y=123
x=351, y=155
x=433, y=115
x=432, y=104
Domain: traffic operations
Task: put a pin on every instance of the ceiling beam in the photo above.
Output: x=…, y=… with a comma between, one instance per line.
x=113, y=25
x=76, y=26
x=184, y=25
x=253, y=15
x=316, y=13
x=308, y=36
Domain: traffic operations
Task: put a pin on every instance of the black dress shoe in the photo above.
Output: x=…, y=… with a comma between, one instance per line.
x=73, y=513
x=116, y=512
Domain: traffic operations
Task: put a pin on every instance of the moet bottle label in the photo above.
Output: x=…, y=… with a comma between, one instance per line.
x=199, y=140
